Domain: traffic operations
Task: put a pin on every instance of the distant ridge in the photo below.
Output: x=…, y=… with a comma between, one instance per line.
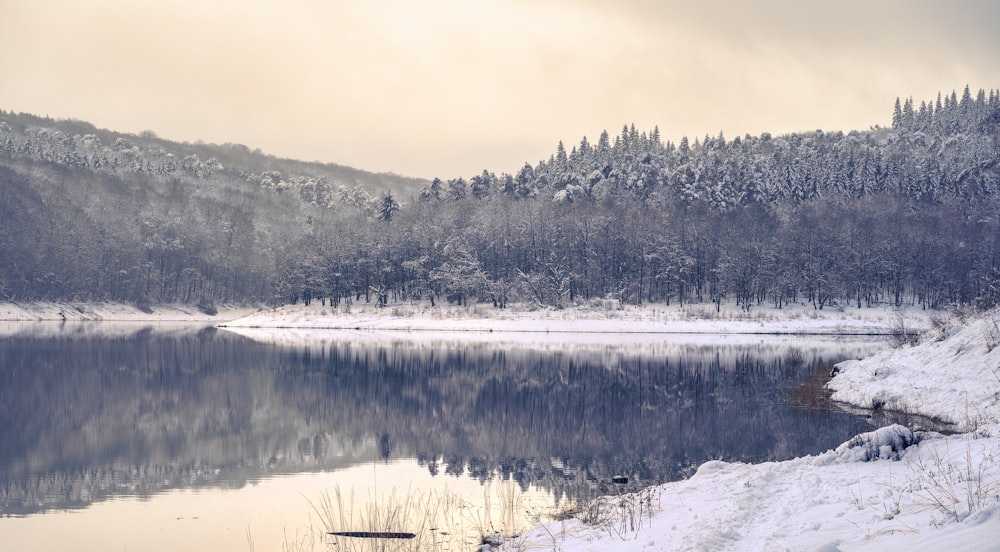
x=236, y=156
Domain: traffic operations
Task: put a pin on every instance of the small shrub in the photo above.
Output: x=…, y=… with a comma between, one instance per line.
x=962, y=313
x=991, y=332
x=624, y=514
x=956, y=490
x=207, y=307
x=939, y=326
x=900, y=335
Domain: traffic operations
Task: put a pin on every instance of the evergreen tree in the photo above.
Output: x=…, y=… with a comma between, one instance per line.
x=561, y=157
x=387, y=207
x=683, y=146
x=965, y=104
x=604, y=142
x=908, y=116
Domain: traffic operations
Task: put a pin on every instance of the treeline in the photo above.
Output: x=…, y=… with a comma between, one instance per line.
x=877, y=249
x=907, y=214
x=84, y=236
x=891, y=215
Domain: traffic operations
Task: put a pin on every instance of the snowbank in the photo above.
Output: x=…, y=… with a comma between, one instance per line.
x=834, y=501
x=890, y=489
x=955, y=377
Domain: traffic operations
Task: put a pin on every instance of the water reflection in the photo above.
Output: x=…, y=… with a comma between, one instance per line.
x=89, y=416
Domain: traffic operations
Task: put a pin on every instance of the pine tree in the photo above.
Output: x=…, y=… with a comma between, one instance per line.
x=561, y=157
x=684, y=147
x=482, y=184
x=924, y=116
x=908, y=113
x=387, y=207
x=965, y=104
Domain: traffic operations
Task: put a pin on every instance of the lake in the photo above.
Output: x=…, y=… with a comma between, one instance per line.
x=120, y=437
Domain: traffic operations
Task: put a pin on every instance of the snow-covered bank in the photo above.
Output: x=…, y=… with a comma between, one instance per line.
x=930, y=499
x=119, y=312
x=698, y=318
x=954, y=376
x=891, y=489
x=601, y=317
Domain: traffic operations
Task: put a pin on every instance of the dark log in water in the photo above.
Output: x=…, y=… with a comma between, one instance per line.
x=372, y=534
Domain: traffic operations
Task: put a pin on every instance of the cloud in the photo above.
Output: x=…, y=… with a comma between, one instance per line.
x=448, y=87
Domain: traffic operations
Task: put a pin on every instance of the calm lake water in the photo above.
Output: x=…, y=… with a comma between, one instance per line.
x=131, y=438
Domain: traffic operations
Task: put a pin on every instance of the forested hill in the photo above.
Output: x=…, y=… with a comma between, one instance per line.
x=906, y=214
x=93, y=214
x=79, y=144
x=938, y=152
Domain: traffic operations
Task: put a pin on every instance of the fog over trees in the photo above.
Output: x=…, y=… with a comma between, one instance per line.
x=903, y=215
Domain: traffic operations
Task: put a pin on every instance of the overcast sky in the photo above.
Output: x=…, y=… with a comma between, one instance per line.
x=450, y=87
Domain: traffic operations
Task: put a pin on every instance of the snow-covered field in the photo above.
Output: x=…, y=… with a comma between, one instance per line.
x=891, y=489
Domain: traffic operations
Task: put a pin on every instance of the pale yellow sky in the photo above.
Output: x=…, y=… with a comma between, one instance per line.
x=451, y=87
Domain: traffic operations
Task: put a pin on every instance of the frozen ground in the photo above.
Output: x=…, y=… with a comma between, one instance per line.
x=891, y=489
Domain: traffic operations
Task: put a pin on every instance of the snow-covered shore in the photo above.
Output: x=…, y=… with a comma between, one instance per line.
x=49, y=318
x=598, y=318
x=117, y=312
x=954, y=376
x=891, y=489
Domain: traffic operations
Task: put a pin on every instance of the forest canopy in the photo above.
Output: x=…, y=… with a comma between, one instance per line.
x=900, y=215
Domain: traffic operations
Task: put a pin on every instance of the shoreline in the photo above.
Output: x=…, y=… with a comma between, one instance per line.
x=891, y=488
x=73, y=311
x=880, y=490
x=651, y=319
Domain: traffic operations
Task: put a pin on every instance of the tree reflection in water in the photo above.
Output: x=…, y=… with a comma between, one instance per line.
x=87, y=417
